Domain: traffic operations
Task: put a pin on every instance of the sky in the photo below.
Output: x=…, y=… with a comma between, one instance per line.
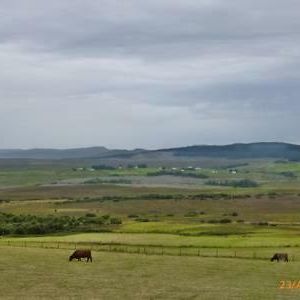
x=148, y=74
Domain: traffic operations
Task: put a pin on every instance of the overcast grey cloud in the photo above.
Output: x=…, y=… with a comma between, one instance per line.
x=126, y=74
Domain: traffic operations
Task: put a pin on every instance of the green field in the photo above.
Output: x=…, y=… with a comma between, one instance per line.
x=152, y=237
x=46, y=273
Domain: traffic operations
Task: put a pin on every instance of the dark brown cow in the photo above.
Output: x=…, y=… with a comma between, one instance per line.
x=81, y=253
x=280, y=256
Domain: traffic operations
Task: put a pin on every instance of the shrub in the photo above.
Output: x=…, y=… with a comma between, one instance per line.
x=103, y=167
x=191, y=214
x=263, y=223
x=289, y=174
x=90, y=215
x=272, y=194
x=178, y=173
x=4, y=230
x=142, y=166
x=225, y=221
x=142, y=220
x=30, y=224
x=244, y=183
x=133, y=216
x=115, y=221
x=212, y=221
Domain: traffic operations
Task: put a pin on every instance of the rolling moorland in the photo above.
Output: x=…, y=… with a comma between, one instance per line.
x=198, y=222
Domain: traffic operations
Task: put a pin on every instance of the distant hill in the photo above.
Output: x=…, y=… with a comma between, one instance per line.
x=234, y=151
x=53, y=154
x=240, y=151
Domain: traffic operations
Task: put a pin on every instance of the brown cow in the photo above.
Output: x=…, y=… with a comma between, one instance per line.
x=81, y=253
x=280, y=256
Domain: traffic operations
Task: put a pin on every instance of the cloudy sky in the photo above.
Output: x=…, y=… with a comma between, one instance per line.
x=152, y=73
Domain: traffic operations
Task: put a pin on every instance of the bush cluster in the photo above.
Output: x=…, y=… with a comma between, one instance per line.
x=178, y=173
x=31, y=224
x=244, y=183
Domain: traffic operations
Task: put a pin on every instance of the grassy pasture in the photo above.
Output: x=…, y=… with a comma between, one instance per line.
x=181, y=228
x=259, y=239
x=31, y=173
x=46, y=273
x=47, y=192
x=279, y=209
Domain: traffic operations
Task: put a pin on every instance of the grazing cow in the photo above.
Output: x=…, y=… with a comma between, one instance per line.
x=83, y=253
x=280, y=256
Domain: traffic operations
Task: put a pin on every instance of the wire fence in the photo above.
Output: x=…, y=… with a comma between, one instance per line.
x=241, y=253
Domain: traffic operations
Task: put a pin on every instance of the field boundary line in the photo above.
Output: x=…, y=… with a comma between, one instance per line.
x=136, y=249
